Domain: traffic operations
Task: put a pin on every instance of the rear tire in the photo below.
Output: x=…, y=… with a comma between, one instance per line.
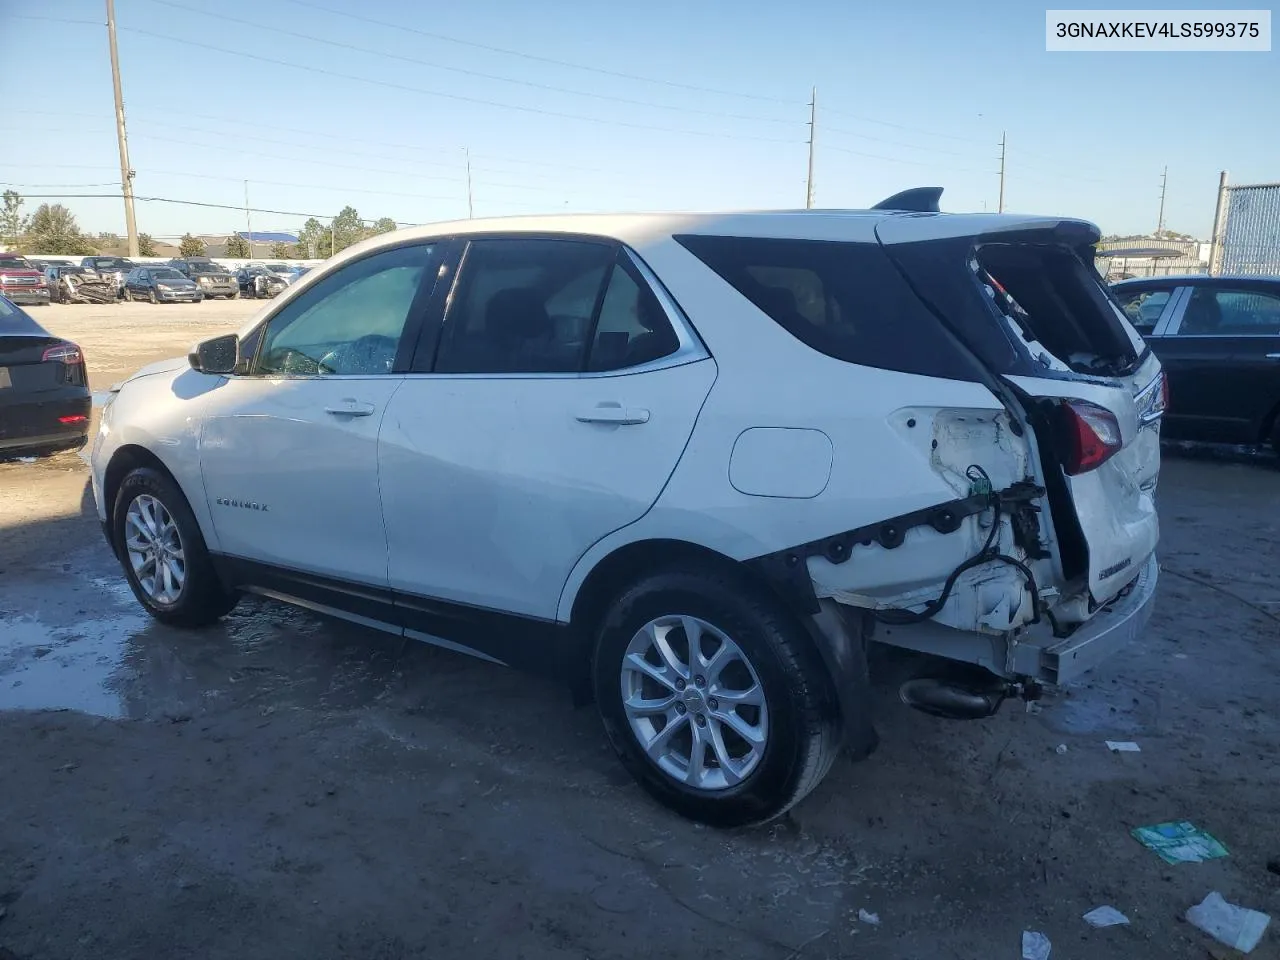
x=773, y=753
x=164, y=557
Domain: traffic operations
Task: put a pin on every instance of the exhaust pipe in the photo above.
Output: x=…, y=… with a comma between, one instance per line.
x=956, y=698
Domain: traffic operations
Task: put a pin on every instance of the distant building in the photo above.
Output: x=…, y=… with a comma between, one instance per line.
x=1151, y=257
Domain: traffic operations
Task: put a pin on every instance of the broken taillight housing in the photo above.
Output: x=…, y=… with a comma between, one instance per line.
x=63, y=353
x=1092, y=435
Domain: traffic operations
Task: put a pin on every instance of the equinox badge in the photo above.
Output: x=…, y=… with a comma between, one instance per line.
x=243, y=504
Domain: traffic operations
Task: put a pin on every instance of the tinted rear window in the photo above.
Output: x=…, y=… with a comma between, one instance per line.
x=846, y=300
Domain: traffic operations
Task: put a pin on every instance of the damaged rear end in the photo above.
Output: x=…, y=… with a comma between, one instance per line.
x=1043, y=563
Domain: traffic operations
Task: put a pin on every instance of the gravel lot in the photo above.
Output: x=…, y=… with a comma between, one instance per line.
x=283, y=786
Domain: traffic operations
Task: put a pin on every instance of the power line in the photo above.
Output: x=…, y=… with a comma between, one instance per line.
x=913, y=163
x=892, y=143
x=455, y=96
x=321, y=134
x=469, y=72
x=238, y=207
x=551, y=60
x=900, y=126
x=58, y=186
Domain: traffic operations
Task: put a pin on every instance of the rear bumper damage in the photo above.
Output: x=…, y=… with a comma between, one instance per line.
x=1033, y=653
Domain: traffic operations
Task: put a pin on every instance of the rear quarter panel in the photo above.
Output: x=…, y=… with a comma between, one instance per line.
x=879, y=466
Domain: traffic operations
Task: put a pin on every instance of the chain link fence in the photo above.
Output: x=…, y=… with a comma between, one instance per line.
x=1250, y=242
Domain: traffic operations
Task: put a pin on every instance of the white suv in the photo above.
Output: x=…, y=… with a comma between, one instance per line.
x=690, y=464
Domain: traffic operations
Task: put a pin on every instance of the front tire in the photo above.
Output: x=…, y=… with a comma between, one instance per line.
x=152, y=296
x=163, y=553
x=714, y=697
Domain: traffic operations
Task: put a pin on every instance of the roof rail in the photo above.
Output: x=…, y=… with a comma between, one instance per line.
x=917, y=200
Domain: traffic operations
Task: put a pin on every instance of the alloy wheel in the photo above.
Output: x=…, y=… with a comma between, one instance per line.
x=154, y=548
x=694, y=702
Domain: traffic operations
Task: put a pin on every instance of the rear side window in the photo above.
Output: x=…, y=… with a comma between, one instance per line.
x=846, y=300
x=1143, y=307
x=1231, y=313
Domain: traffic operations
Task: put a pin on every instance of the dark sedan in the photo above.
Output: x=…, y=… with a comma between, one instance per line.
x=44, y=390
x=257, y=281
x=160, y=285
x=1219, y=341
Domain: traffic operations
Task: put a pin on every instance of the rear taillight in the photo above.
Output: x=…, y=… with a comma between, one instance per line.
x=75, y=418
x=63, y=353
x=1092, y=435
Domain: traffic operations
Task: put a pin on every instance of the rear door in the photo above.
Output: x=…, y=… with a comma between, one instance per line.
x=1025, y=298
x=551, y=412
x=1222, y=354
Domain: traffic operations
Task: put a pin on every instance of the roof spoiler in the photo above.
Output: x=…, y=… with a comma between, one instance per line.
x=916, y=200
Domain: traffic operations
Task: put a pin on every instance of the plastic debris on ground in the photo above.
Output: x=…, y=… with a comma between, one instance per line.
x=1123, y=746
x=1060, y=749
x=866, y=916
x=1105, y=917
x=1179, y=842
x=1238, y=927
x=26, y=459
x=1035, y=946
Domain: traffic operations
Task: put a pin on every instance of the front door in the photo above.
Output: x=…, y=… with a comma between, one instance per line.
x=289, y=450
x=560, y=399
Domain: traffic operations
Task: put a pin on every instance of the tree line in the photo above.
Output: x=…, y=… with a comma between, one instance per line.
x=52, y=228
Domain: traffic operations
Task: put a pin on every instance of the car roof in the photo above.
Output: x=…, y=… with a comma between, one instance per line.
x=638, y=228
x=1199, y=280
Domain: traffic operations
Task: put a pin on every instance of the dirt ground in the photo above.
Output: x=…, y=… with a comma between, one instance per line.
x=283, y=786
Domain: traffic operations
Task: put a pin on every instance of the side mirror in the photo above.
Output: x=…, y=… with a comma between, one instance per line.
x=218, y=355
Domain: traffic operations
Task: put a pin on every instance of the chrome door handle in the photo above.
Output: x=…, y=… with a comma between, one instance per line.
x=351, y=408
x=613, y=413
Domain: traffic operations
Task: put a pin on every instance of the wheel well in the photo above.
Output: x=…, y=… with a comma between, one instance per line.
x=123, y=461
x=622, y=567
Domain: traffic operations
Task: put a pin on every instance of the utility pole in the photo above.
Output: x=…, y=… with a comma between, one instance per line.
x=1000, y=202
x=126, y=172
x=248, y=224
x=1219, y=214
x=813, y=118
x=466, y=152
x=333, y=237
x=1164, y=182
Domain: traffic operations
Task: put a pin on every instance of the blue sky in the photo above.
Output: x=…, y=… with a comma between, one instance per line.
x=908, y=94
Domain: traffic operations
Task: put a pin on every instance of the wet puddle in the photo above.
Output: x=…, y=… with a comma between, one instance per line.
x=71, y=667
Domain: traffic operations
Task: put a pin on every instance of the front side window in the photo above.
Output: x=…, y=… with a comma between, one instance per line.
x=351, y=322
x=1143, y=307
x=1231, y=313
x=523, y=306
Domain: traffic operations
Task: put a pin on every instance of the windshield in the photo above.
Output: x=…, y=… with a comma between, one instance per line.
x=14, y=263
x=202, y=268
x=166, y=273
x=277, y=268
x=112, y=263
